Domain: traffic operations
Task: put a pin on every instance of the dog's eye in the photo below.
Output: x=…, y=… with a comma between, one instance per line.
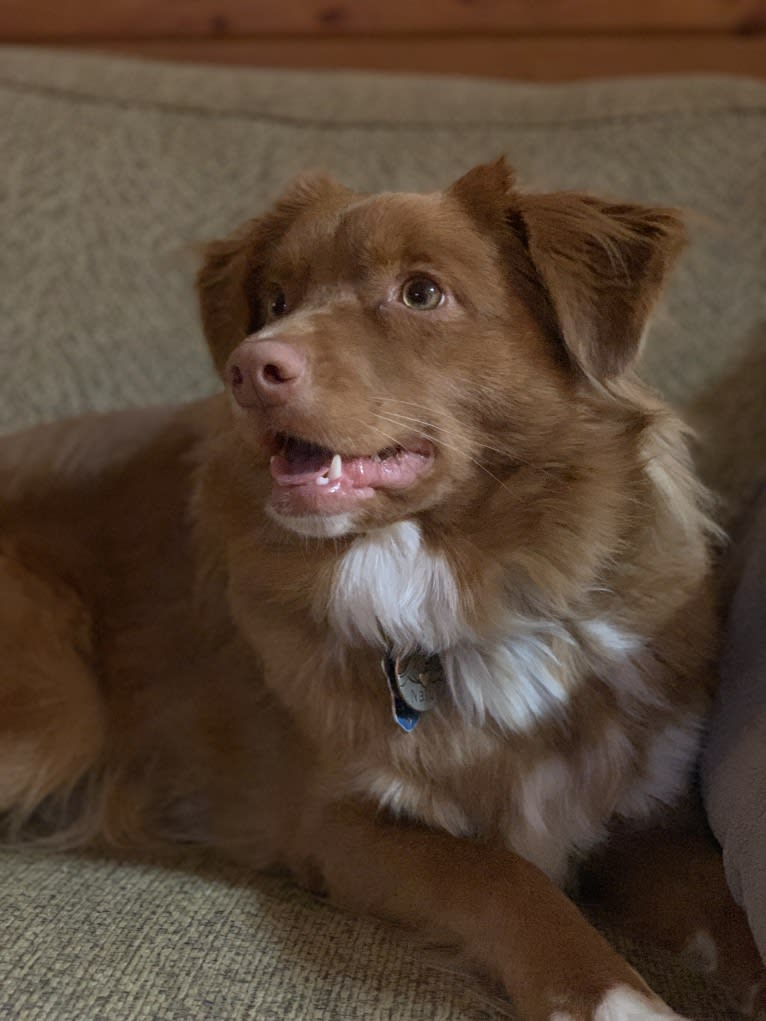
x=422, y=294
x=278, y=304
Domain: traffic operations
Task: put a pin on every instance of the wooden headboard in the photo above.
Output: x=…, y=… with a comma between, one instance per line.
x=532, y=39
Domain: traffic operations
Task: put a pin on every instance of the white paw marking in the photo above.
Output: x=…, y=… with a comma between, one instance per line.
x=701, y=953
x=625, y=1004
x=748, y=1004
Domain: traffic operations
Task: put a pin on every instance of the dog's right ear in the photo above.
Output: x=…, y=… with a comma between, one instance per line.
x=221, y=288
x=229, y=279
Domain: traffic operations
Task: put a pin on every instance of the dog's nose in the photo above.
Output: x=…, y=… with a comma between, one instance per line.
x=265, y=372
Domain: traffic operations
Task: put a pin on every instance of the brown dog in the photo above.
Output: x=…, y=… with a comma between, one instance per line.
x=418, y=609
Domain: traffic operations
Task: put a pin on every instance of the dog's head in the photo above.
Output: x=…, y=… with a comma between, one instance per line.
x=400, y=354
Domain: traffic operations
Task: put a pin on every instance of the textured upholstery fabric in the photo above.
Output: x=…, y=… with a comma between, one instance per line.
x=88, y=939
x=112, y=171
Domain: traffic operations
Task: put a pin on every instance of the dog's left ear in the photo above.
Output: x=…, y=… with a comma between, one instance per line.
x=602, y=264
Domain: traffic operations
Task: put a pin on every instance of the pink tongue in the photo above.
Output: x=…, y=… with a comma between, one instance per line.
x=297, y=470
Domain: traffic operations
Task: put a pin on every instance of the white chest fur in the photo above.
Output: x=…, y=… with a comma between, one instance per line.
x=390, y=589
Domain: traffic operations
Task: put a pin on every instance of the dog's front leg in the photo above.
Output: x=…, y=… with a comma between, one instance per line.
x=505, y=915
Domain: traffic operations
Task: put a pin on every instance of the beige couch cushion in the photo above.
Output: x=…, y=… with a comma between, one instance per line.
x=99, y=939
x=111, y=171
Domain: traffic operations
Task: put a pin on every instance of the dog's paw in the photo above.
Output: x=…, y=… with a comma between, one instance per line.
x=733, y=960
x=753, y=1004
x=622, y=1003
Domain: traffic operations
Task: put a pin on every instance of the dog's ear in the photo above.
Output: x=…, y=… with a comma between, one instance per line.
x=222, y=292
x=229, y=277
x=602, y=264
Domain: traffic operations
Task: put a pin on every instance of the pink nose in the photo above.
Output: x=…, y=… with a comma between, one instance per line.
x=265, y=372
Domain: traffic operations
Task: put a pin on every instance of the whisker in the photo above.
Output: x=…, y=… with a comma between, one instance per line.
x=449, y=446
x=438, y=428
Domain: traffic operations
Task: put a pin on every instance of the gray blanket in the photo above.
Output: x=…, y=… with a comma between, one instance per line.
x=735, y=763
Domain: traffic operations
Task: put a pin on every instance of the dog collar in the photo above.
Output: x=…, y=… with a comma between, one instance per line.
x=415, y=683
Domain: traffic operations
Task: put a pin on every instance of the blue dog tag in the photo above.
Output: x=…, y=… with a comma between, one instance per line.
x=414, y=682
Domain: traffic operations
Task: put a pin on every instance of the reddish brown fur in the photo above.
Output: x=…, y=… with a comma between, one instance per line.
x=204, y=689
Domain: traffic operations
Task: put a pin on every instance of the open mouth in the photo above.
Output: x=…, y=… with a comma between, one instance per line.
x=312, y=479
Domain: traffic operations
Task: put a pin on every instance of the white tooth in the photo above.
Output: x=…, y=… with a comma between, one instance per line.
x=336, y=468
x=322, y=480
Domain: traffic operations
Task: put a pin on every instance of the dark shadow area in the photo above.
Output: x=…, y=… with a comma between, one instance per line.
x=730, y=420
